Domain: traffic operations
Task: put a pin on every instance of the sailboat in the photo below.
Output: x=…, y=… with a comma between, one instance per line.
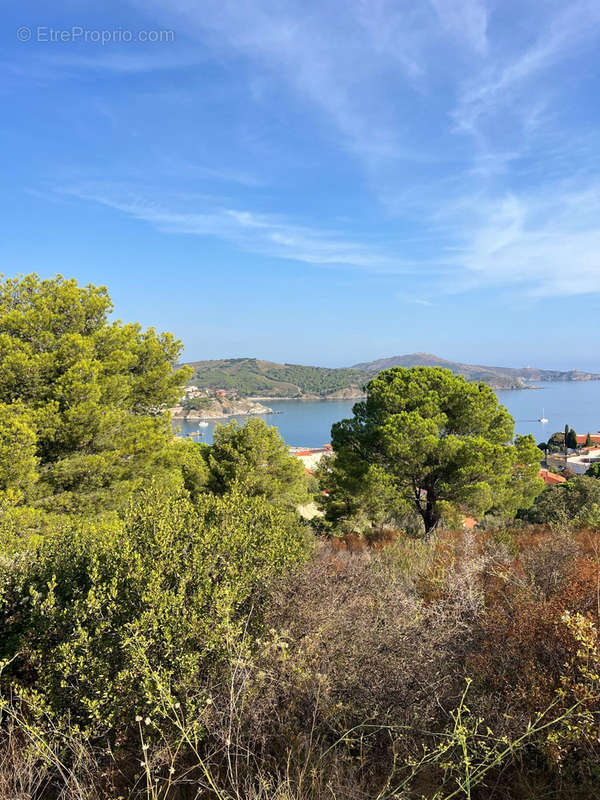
x=543, y=419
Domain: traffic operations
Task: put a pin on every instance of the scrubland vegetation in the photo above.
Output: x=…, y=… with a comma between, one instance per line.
x=170, y=628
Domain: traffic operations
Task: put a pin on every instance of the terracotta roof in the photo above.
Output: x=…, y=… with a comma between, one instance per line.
x=551, y=478
x=582, y=438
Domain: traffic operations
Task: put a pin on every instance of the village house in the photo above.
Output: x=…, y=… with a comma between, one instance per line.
x=551, y=478
x=311, y=456
x=581, y=462
x=582, y=439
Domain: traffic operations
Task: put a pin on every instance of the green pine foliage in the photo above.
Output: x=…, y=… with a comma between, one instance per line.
x=83, y=399
x=167, y=629
x=574, y=502
x=431, y=441
x=255, y=457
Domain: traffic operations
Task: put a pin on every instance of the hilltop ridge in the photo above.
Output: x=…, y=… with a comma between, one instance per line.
x=496, y=377
x=258, y=378
x=253, y=377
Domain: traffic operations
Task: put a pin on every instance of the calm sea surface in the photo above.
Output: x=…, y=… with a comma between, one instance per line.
x=309, y=423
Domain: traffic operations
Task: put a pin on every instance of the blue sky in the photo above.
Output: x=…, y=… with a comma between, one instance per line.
x=315, y=182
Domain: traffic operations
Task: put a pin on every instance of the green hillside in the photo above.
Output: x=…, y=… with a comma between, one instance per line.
x=496, y=377
x=253, y=377
x=250, y=376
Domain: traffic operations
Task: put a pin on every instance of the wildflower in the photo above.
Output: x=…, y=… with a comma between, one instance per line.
x=177, y=705
x=147, y=721
x=138, y=718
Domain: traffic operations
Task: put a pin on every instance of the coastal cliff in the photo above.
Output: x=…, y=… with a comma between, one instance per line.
x=221, y=408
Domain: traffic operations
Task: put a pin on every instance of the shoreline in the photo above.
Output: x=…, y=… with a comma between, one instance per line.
x=179, y=418
x=308, y=398
x=218, y=410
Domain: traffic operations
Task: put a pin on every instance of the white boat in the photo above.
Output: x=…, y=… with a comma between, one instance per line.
x=543, y=419
x=203, y=424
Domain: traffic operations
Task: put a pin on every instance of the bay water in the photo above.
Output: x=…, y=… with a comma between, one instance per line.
x=308, y=423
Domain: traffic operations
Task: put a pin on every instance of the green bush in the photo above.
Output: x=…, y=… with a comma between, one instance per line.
x=99, y=619
x=255, y=456
x=576, y=501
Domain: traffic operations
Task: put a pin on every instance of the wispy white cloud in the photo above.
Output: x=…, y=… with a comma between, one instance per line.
x=546, y=243
x=501, y=83
x=357, y=63
x=175, y=165
x=419, y=301
x=396, y=84
x=266, y=234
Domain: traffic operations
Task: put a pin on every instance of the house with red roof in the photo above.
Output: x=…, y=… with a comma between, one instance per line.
x=582, y=438
x=551, y=478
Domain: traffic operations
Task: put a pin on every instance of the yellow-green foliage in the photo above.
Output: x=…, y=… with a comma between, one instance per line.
x=95, y=617
x=255, y=456
x=82, y=399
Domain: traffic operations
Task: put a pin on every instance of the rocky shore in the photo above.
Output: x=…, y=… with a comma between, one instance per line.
x=351, y=393
x=221, y=409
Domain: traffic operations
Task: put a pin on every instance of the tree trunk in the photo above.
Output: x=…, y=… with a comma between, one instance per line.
x=430, y=519
x=429, y=514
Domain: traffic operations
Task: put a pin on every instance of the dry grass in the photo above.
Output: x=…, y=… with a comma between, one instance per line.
x=407, y=671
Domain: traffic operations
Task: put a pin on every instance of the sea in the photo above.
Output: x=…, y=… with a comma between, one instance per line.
x=308, y=423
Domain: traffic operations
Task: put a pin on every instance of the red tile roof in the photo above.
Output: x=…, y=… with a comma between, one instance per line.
x=582, y=438
x=551, y=478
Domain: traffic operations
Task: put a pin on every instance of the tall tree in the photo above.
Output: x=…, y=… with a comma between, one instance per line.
x=443, y=444
x=571, y=439
x=355, y=500
x=86, y=395
x=255, y=457
x=556, y=442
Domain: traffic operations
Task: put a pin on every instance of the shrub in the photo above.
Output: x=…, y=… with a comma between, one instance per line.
x=98, y=619
x=576, y=501
x=255, y=456
x=422, y=670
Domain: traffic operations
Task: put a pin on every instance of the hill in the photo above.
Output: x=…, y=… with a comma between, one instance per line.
x=256, y=378
x=496, y=377
x=252, y=377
